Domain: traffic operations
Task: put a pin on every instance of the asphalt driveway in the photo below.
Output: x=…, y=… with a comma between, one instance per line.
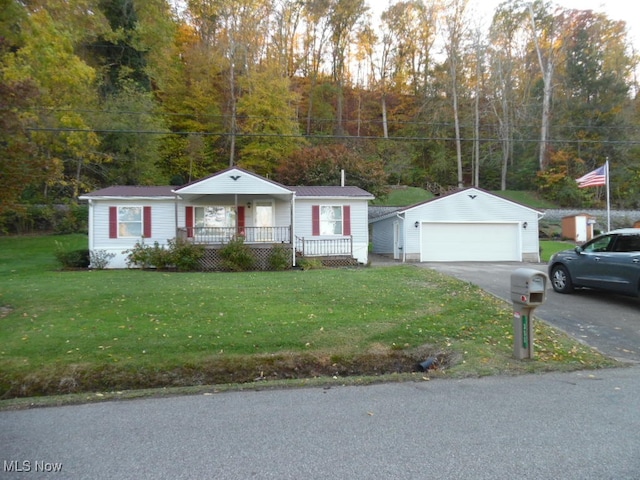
x=609, y=323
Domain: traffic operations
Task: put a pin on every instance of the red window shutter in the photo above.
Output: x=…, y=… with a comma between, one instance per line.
x=146, y=218
x=241, y=220
x=346, y=220
x=188, y=221
x=113, y=222
x=315, y=219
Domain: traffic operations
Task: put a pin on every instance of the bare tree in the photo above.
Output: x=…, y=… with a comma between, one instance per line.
x=455, y=27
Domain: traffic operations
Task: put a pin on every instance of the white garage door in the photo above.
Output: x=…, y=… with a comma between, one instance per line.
x=470, y=242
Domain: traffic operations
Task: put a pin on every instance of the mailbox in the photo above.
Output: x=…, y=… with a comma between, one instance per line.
x=528, y=287
x=528, y=290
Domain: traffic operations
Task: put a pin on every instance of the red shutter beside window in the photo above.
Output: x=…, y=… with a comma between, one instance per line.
x=113, y=222
x=346, y=219
x=146, y=225
x=188, y=221
x=315, y=219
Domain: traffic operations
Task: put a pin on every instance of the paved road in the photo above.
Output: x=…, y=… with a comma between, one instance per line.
x=577, y=426
x=610, y=323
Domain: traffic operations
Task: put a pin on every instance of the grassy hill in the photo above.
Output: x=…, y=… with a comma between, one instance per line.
x=403, y=196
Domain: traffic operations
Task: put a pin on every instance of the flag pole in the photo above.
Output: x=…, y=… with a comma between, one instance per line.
x=606, y=173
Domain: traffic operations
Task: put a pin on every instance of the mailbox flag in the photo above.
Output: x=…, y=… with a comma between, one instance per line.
x=594, y=179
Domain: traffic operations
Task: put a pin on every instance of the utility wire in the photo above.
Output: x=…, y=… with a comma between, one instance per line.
x=326, y=137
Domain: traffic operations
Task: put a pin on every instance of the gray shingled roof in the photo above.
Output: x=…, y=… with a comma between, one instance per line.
x=376, y=211
x=166, y=191
x=132, y=191
x=330, y=191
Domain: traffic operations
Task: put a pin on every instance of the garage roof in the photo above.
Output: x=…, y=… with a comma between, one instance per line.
x=394, y=211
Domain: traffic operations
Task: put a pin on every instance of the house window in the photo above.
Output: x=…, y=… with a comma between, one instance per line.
x=220, y=217
x=330, y=220
x=129, y=222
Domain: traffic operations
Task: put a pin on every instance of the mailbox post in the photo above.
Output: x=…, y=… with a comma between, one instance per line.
x=528, y=291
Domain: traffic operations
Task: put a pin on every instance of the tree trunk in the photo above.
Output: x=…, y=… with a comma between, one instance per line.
x=385, y=125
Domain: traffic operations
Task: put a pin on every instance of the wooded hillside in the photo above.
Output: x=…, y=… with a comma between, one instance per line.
x=103, y=92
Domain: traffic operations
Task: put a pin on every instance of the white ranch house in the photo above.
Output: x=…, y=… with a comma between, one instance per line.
x=328, y=221
x=467, y=225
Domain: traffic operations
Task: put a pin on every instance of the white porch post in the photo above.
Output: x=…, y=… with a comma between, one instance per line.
x=293, y=228
x=91, y=229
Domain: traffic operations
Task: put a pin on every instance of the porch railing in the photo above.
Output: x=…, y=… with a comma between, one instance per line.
x=324, y=247
x=214, y=235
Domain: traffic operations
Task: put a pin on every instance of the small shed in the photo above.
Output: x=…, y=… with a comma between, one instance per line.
x=468, y=225
x=578, y=227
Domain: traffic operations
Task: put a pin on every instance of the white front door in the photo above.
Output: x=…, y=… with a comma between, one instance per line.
x=263, y=221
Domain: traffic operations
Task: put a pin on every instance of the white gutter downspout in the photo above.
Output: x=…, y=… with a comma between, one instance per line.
x=175, y=213
x=404, y=250
x=91, y=229
x=293, y=227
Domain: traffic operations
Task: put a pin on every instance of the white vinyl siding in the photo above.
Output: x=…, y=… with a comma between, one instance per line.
x=162, y=221
x=359, y=221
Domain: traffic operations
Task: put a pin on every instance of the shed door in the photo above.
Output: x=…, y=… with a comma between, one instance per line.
x=581, y=229
x=470, y=242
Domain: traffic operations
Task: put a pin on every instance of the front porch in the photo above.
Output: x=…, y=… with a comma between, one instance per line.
x=265, y=241
x=308, y=247
x=222, y=235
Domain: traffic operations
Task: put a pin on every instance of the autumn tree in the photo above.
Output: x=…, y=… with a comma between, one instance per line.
x=191, y=103
x=455, y=26
x=46, y=59
x=315, y=42
x=19, y=164
x=130, y=134
x=509, y=42
x=343, y=17
x=267, y=121
x=323, y=165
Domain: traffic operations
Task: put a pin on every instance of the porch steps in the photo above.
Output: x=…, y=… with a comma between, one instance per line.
x=336, y=261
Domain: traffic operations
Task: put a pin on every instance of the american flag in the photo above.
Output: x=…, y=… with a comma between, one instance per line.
x=593, y=179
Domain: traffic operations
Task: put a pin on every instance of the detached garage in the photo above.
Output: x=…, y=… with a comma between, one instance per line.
x=468, y=225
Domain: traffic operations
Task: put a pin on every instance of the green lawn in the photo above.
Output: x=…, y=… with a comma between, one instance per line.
x=549, y=247
x=76, y=331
